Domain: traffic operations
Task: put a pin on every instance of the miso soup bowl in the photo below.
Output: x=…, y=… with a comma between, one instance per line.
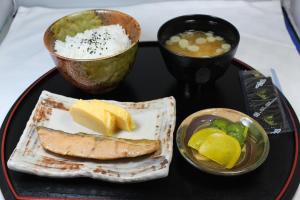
x=193, y=69
x=96, y=75
x=254, y=152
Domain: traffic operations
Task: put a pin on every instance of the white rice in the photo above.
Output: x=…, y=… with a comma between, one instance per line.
x=94, y=43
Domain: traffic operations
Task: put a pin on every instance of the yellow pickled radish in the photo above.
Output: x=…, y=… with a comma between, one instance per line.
x=221, y=148
x=197, y=138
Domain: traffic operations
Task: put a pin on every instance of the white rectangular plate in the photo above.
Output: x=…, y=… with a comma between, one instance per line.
x=155, y=120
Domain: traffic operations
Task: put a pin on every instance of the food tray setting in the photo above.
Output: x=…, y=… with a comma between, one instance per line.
x=277, y=177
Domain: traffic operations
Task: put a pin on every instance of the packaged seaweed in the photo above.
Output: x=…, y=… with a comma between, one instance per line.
x=263, y=102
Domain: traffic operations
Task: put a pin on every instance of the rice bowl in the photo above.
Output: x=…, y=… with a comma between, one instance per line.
x=101, y=73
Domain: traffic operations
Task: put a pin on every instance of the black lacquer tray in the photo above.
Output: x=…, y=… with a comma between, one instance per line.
x=277, y=178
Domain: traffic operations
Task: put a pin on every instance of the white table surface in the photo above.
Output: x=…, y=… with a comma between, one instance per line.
x=264, y=44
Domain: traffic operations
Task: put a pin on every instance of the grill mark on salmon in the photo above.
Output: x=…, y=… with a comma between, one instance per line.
x=94, y=146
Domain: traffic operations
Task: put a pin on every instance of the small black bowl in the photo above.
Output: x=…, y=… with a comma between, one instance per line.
x=194, y=71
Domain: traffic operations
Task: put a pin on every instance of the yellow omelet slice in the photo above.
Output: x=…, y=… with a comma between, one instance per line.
x=124, y=120
x=93, y=117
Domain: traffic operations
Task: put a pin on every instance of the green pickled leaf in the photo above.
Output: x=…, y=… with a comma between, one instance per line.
x=240, y=137
x=220, y=124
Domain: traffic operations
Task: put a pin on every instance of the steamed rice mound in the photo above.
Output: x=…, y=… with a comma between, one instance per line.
x=94, y=43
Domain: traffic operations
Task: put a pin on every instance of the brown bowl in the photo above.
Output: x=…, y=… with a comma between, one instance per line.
x=97, y=75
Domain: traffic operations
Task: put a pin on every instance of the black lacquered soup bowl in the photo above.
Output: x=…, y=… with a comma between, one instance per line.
x=197, y=70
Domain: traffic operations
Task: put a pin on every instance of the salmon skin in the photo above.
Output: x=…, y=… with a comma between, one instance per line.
x=94, y=146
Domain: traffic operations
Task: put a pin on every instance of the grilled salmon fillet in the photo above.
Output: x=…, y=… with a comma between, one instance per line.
x=94, y=146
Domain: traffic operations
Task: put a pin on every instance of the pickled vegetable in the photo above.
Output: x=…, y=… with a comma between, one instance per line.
x=222, y=149
x=220, y=124
x=221, y=141
x=237, y=130
x=198, y=138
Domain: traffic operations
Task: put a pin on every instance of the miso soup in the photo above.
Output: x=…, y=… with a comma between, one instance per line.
x=197, y=44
